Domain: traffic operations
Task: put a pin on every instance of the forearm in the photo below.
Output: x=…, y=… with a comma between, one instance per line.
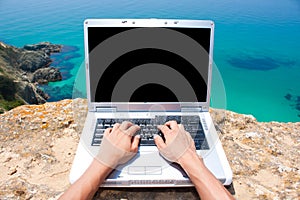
x=207, y=186
x=86, y=186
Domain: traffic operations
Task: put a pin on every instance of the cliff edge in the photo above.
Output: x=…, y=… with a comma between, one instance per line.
x=22, y=69
x=38, y=143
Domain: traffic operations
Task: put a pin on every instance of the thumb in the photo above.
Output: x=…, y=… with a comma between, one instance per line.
x=135, y=143
x=159, y=142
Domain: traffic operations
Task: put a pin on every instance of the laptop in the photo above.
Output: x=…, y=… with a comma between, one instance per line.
x=149, y=71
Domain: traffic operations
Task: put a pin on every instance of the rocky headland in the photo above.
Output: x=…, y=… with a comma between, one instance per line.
x=38, y=144
x=22, y=69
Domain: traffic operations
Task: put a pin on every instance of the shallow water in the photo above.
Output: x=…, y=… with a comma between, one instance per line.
x=256, y=50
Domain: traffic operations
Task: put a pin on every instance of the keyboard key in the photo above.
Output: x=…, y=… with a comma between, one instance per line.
x=174, y=118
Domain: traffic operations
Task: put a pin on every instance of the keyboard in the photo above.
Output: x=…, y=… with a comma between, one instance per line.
x=192, y=124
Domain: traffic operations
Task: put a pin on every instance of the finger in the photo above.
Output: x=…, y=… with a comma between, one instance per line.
x=172, y=124
x=164, y=129
x=107, y=132
x=116, y=126
x=181, y=127
x=188, y=137
x=132, y=130
x=190, y=140
x=135, y=143
x=159, y=142
x=125, y=125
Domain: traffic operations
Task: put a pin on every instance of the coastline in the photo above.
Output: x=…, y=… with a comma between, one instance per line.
x=23, y=70
x=246, y=35
x=41, y=90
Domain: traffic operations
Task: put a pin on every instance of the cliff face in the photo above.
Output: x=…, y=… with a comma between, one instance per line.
x=38, y=143
x=21, y=69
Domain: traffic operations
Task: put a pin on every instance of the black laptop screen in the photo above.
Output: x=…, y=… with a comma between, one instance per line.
x=148, y=64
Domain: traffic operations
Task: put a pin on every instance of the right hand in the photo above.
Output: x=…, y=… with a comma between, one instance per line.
x=178, y=145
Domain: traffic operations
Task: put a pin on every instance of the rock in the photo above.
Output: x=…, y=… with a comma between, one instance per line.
x=12, y=171
x=45, y=75
x=38, y=144
x=30, y=61
x=31, y=94
x=252, y=135
x=46, y=47
x=20, y=67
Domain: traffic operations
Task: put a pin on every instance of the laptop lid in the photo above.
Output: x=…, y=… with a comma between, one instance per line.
x=148, y=64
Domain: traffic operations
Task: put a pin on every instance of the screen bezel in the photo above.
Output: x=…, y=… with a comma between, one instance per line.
x=146, y=106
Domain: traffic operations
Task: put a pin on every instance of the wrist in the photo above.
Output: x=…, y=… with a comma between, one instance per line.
x=189, y=157
x=191, y=161
x=98, y=168
x=97, y=172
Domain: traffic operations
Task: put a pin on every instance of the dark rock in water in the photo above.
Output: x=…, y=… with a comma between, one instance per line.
x=295, y=101
x=262, y=63
x=68, y=48
x=58, y=92
x=288, y=96
x=298, y=106
x=45, y=75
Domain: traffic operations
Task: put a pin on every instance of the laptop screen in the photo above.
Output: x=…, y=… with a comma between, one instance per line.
x=148, y=64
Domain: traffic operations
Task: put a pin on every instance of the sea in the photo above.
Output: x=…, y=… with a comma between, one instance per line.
x=256, y=49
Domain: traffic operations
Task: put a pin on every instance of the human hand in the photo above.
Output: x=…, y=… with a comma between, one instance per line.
x=117, y=146
x=178, y=144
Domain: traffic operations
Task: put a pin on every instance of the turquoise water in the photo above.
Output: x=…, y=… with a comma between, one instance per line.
x=257, y=44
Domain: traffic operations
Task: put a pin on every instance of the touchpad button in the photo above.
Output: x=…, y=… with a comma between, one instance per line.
x=153, y=170
x=137, y=170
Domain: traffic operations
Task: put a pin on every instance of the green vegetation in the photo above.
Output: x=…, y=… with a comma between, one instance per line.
x=8, y=89
x=8, y=55
x=9, y=98
x=8, y=105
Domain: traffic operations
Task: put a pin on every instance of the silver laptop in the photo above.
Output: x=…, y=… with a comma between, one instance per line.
x=149, y=71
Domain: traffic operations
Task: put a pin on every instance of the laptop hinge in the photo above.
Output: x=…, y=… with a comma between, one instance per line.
x=191, y=109
x=106, y=109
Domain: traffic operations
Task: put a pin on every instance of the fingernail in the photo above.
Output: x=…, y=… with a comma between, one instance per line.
x=155, y=136
x=138, y=136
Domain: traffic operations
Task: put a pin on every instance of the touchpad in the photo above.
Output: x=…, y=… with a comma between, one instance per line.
x=145, y=170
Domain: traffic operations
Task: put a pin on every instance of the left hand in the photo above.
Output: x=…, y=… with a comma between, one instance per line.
x=117, y=146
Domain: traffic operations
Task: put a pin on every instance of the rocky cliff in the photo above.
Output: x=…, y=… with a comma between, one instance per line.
x=22, y=69
x=38, y=143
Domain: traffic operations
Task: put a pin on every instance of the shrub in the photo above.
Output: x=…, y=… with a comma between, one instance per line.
x=8, y=88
